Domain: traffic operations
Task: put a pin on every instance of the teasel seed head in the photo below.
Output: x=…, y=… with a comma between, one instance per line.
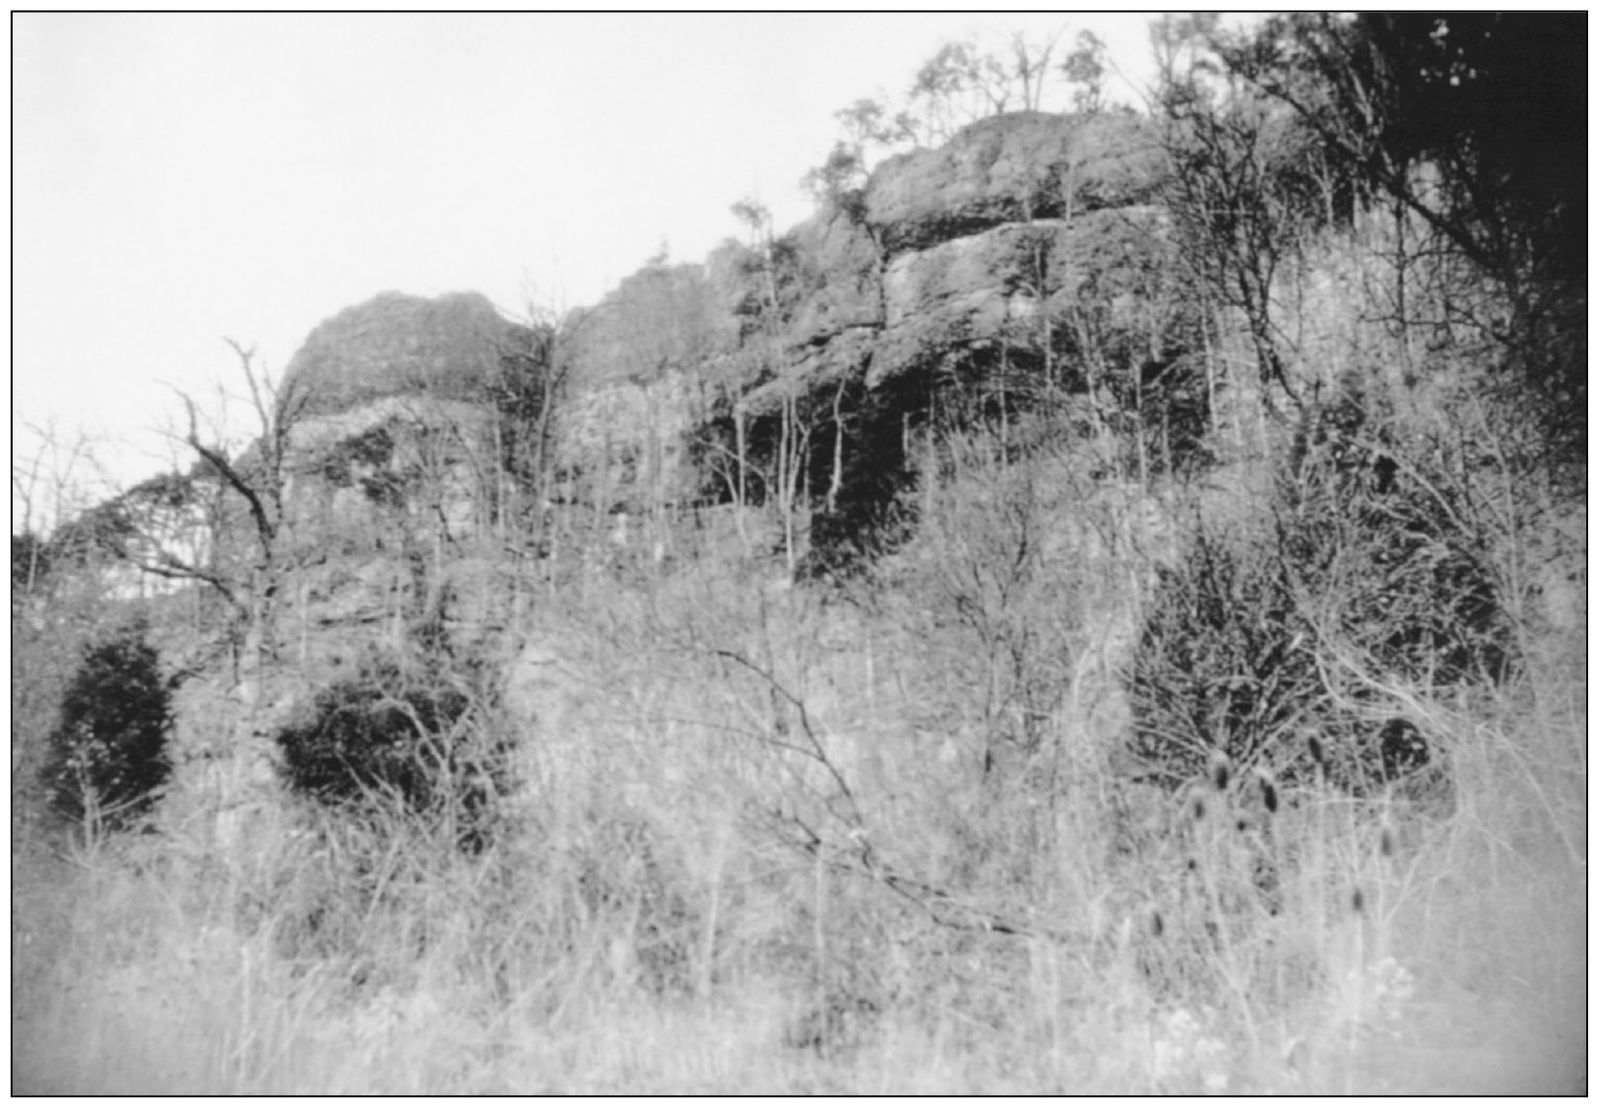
x=1316, y=748
x=1270, y=793
x=1220, y=771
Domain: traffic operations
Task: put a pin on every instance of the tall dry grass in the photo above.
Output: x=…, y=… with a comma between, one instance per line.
x=876, y=838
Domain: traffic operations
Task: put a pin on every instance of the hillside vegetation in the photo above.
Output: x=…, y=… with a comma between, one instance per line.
x=1100, y=607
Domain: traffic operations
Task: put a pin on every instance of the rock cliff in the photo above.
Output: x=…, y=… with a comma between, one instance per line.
x=949, y=263
x=950, y=267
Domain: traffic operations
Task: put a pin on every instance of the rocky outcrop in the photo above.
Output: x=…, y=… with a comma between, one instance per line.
x=400, y=413
x=626, y=445
x=1016, y=168
x=661, y=319
x=952, y=257
x=1009, y=169
x=958, y=250
x=839, y=272
x=641, y=364
x=450, y=347
x=1116, y=161
x=965, y=292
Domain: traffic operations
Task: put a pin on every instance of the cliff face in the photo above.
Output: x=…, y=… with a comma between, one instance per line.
x=400, y=406
x=950, y=263
x=636, y=364
x=949, y=259
x=972, y=240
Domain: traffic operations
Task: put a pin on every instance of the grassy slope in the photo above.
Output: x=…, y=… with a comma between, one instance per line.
x=153, y=964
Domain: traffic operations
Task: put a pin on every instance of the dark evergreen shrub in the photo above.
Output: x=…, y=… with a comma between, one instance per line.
x=108, y=757
x=393, y=734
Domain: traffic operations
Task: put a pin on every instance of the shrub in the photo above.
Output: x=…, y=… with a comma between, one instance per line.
x=108, y=758
x=1273, y=643
x=417, y=735
x=1219, y=663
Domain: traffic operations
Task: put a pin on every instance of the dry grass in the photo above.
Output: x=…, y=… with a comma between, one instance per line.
x=654, y=920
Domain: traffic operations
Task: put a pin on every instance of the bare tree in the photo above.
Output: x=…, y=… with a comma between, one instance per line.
x=1030, y=63
x=47, y=487
x=259, y=481
x=962, y=84
x=1242, y=190
x=249, y=557
x=789, y=477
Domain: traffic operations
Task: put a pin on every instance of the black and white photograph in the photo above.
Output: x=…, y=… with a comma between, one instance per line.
x=766, y=554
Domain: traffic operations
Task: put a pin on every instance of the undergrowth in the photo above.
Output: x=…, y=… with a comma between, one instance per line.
x=885, y=836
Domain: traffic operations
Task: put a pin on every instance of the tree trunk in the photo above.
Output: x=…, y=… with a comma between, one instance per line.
x=740, y=462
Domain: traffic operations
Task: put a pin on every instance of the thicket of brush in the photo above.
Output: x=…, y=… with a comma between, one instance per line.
x=902, y=834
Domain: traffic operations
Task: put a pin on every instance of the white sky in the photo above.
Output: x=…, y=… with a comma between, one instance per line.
x=181, y=178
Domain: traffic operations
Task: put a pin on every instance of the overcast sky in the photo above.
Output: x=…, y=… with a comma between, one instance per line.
x=181, y=178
